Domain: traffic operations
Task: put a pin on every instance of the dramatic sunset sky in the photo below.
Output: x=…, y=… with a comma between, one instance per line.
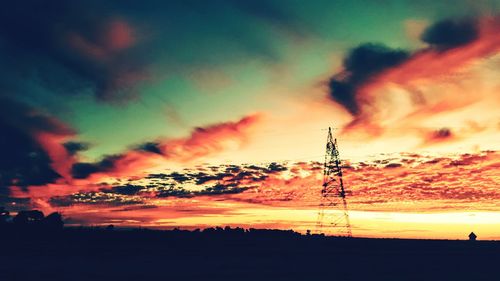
x=193, y=113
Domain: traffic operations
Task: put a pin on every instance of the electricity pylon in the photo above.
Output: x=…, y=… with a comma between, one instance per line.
x=333, y=215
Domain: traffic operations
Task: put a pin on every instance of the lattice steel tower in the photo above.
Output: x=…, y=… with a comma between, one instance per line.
x=333, y=215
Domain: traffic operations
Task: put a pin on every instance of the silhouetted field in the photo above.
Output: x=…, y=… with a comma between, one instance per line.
x=236, y=254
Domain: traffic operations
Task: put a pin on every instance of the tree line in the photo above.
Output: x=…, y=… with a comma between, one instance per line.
x=30, y=219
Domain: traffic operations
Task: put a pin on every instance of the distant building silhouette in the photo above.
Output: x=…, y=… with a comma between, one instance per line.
x=472, y=236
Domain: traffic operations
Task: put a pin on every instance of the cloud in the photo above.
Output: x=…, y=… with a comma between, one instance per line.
x=24, y=162
x=30, y=146
x=439, y=135
x=94, y=198
x=135, y=163
x=431, y=137
x=110, y=50
x=30, y=120
x=394, y=91
x=360, y=65
x=69, y=47
x=152, y=147
x=202, y=142
x=393, y=165
x=460, y=181
x=84, y=170
x=221, y=180
x=127, y=189
x=422, y=183
x=450, y=33
x=73, y=147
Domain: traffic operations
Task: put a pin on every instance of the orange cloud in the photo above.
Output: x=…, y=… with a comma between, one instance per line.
x=433, y=64
x=119, y=35
x=203, y=141
x=411, y=183
x=32, y=146
x=439, y=135
x=434, y=88
x=116, y=35
x=401, y=184
x=61, y=159
x=207, y=140
x=135, y=163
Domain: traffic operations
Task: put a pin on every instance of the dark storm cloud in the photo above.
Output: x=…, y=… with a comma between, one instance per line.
x=449, y=33
x=442, y=133
x=23, y=160
x=438, y=136
x=368, y=59
x=393, y=165
x=67, y=46
x=84, y=170
x=361, y=64
x=110, y=48
x=178, y=177
x=30, y=120
x=219, y=180
x=202, y=178
x=230, y=174
x=220, y=188
x=128, y=189
x=73, y=147
x=216, y=189
x=201, y=142
x=152, y=147
x=93, y=198
x=276, y=167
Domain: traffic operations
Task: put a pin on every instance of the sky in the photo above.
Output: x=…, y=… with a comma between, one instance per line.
x=194, y=114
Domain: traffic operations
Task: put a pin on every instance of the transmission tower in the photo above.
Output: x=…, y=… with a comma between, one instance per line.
x=333, y=215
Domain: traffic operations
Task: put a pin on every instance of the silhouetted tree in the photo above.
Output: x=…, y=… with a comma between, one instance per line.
x=25, y=219
x=53, y=222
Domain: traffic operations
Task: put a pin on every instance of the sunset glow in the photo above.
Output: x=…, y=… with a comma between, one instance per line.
x=195, y=117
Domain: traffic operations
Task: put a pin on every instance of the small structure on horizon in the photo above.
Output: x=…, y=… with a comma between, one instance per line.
x=472, y=236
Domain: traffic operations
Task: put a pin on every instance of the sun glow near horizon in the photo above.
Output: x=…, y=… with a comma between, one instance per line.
x=221, y=118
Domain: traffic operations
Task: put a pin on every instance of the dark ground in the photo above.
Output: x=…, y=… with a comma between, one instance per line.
x=98, y=254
